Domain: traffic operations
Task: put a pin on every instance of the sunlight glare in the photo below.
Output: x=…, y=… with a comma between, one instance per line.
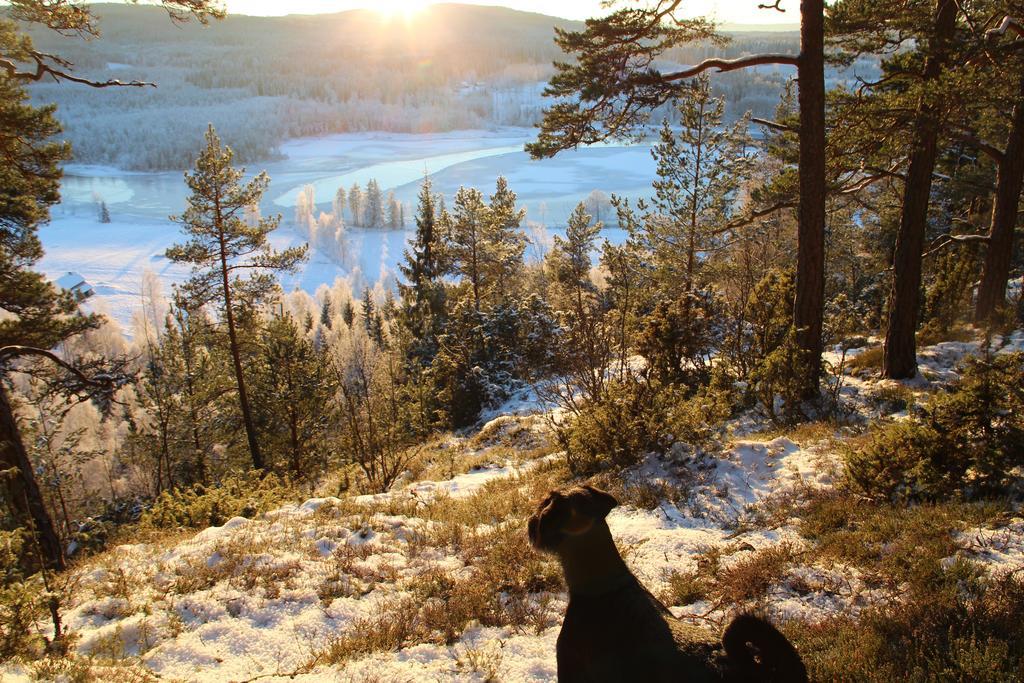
x=405, y=9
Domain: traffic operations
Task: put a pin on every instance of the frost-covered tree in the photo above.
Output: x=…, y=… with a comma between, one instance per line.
x=222, y=248
x=374, y=205
x=305, y=210
x=394, y=212
x=598, y=204
x=355, y=204
x=340, y=202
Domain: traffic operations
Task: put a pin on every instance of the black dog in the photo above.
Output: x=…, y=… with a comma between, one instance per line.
x=615, y=630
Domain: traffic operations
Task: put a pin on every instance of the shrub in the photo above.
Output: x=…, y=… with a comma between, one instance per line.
x=21, y=601
x=637, y=417
x=963, y=443
x=960, y=628
x=615, y=431
x=198, y=507
x=779, y=379
x=677, y=338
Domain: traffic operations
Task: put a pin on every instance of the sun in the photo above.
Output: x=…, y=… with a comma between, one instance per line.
x=400, y=9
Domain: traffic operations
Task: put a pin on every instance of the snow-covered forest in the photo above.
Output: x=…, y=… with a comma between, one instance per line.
x=792, y=375
x=306, y=76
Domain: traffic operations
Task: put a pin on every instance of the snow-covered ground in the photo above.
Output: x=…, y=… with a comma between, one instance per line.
x=268, y=597
x=113, y=257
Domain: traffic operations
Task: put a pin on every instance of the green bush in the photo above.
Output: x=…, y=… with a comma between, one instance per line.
x=637, y=417
x=779, y=379
x=965, y=443
x=199, y=507
x=21, y=601
x=616, y=431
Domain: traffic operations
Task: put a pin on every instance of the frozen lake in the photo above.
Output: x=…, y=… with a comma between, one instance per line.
x=113, y=257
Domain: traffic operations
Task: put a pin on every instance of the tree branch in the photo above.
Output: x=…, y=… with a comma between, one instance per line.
x=748, y=218
x=1009, y=24
x=775, y=6
x=15, y=351
x=43, y=69
x=992, y=151
x=775, y=125
x=724, y=65
x=944, y=241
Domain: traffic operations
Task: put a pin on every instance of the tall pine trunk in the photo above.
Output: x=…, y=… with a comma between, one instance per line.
x=1009, y=181
x=22, y=492
x=900, y=351
x=236, y=360
x=810, y=274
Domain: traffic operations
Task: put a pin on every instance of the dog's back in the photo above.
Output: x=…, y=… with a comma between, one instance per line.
x=627, y=635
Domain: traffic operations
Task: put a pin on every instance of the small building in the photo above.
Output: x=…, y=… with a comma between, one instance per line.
x=76, y=284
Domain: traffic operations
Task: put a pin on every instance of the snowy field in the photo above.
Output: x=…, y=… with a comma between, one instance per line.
x=113, y=257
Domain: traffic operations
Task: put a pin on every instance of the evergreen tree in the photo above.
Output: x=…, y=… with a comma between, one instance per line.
x=910, y=96
x=373, y=320
x=506, y=244
x=611, y=87
x=348, y=313
x=222, y=247
x=423, y=293
x=340, y=201
x=355, y=204
x=485, y=247
x=699, y=169
x=374, y=205
x=104, y=212
x=326, y=315
x=467, y=228
x=394, y=212
x=38, y=315
x=295, y=390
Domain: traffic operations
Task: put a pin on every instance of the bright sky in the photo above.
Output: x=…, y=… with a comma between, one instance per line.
x=726, y=11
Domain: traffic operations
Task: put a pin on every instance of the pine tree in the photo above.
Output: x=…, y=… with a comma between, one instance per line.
x=699, y=168
x=611, y=86
x=423, y=293
x=394, y=212
x=222, y=247
x=326, y=315
x=355, y=204
x=38, y=315
x=295, y=392
x=506, y=243
x=373, y=322
x=348, y=313
x=911, y=97
x=104, y=212
x=374, y=205
x=340, y=201
x=467, y=228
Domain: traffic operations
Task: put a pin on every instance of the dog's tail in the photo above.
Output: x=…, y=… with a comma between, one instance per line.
x=757, y=651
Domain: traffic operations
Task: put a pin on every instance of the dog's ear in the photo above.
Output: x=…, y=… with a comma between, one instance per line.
x=596, y=503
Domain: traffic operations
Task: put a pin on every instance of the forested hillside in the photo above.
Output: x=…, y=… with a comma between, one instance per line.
x=262, y=80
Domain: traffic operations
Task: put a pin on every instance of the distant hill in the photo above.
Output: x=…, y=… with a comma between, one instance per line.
x=262, y=80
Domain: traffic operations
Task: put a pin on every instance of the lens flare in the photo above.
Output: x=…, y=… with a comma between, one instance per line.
x=400, y=9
